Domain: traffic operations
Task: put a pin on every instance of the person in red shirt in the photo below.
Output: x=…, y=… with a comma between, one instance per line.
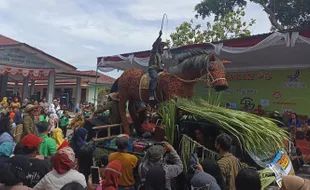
x=259, y=110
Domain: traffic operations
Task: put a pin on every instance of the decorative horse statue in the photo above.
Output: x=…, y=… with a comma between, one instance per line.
x=192, y=67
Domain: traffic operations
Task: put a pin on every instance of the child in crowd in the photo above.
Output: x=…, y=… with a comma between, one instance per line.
x=64, y=122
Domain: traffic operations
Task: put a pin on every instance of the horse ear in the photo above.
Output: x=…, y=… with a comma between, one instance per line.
x=212, y=58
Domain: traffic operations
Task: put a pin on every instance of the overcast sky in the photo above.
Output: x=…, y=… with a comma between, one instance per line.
x=79, y=31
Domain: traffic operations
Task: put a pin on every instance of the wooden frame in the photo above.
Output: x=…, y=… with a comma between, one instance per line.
x=108, y=127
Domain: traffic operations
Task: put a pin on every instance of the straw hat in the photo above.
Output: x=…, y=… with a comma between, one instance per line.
x=30, y=108
x=114, y=96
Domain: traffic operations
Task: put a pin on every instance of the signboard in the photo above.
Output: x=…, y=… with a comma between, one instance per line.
x=281, y=165
x=18, y=58
x=275, y=90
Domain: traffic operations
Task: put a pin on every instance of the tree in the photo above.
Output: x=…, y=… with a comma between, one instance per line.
x=223, y=28
x=283, y=14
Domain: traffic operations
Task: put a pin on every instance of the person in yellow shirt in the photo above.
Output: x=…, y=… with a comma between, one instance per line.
x=129, y=163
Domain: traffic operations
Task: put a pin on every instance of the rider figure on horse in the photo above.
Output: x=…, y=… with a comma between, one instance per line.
x=155, y=64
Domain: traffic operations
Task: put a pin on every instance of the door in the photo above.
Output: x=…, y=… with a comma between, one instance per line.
x=44, y=93
x=83, y=95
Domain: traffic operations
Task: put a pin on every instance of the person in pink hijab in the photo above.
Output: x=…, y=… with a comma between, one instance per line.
x=290, y=182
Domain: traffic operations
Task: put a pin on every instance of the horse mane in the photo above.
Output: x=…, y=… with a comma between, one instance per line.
x=193, y=59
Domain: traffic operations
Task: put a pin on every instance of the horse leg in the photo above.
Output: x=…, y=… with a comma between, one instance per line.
x=132, y=112
x=122, y=112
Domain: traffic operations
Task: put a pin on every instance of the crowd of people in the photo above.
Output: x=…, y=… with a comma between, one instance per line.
x=43, y=159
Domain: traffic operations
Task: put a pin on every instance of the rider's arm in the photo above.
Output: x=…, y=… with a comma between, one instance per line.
x=156, y=44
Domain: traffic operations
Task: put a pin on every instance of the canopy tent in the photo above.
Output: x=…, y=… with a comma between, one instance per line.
x=267, y=51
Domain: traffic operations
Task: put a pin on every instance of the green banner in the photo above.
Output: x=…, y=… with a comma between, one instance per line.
x=277, y=90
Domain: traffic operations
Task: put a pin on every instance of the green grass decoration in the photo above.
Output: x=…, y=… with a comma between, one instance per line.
x=188, y=145
x=266, y=177
x=256, y=134
x=168, y=113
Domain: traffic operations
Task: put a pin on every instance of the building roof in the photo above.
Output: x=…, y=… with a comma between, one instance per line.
x=6, y=42
x=78, y=73
x=89, y=79
x=102, y=79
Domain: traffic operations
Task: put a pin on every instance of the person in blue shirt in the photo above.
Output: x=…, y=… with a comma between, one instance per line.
x=294, y=121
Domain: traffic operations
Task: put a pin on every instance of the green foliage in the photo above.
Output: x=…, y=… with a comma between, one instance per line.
x=188, y=145
x=266, y=177
x=168, y=113
x=283, y=14
x=224, y=27
x=257, y=135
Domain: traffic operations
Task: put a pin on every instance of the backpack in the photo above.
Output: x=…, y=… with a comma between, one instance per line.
x=154, y=179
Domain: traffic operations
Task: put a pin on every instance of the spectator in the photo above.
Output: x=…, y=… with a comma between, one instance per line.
x=5, y=130
x=38, y=167
x=79, y=139
x=18, y=117
x=28, y=122
x=44, y=116
x=129, y=163
x=259, y=110
x=111, y=176
x=155, y=178
x=294, y=183
x=154, y=156
x=57, y=135
x=85, y=160
x=64, y=121
x=48, y=145
x=53, y=120
x=36, y=103
x=294, y=121
x=228, y=163
x=43, y=103
x=18, y=150
x=248, y=179
x=202, y=180
x=73, y=186
x=63, y=172
x=212, y=167
x=13, y=175
x=25, y=103
x=15, y=103
x=6, y=150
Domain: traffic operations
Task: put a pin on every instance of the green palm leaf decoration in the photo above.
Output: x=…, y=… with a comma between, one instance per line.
x=257, y=135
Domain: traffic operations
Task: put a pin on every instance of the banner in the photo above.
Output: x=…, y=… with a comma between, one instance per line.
x=281, y=165
x=276, y=90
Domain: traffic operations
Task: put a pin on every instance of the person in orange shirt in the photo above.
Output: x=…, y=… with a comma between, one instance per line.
x=12, y=114
x=129, y=163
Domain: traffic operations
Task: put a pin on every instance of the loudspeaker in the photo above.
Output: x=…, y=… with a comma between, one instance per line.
x=64, y=100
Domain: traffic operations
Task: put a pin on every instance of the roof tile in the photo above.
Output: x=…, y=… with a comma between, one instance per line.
x=4, y=41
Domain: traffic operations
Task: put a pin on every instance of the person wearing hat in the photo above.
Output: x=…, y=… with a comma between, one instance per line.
x=112, y=105
x=290, y=182
x=28, y=122
x=155, y=65
x=155, y=156
x=129, y=162
x=14, y=175
x=38, y=166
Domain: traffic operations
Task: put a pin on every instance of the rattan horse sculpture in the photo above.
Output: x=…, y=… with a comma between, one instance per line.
x=192, y=67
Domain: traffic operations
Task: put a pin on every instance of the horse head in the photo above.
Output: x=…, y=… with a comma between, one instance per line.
x=199, y=65
x=215, y=74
